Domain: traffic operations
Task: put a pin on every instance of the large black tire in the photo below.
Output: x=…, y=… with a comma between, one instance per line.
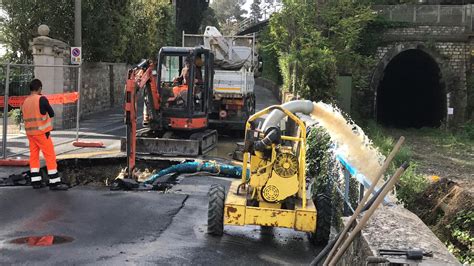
x=324, y=217
x=215, y=213
x=249, y=106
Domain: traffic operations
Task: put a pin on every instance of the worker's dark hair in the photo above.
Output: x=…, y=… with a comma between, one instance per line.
x=35, y=85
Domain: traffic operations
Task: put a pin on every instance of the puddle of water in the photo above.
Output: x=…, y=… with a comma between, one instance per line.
x=225, y=146
x=352, y=142
x=42, y=241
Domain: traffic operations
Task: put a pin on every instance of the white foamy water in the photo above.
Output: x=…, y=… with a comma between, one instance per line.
x=351, y=141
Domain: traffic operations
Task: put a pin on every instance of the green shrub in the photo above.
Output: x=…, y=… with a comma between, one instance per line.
x=411, y=182
x=409, y=187
x=461, y=233
x=468, y=131
x=15, y=114
x=319, y=161
x=385, y=144
x=322, y=168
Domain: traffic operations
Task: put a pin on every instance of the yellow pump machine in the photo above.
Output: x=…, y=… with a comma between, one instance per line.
x=272, y=191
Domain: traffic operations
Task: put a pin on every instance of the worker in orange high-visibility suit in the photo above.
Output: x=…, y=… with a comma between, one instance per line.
x=37, y=114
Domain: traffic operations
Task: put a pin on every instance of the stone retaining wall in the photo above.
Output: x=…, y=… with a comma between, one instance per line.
x=431, y=30
x=102, y=86
x=394, y=227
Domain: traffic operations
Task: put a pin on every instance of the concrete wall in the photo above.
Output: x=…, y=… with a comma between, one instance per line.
x=393, y=227
x=102, y=86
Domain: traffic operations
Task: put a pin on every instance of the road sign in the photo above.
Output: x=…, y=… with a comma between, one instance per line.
x=76, y=55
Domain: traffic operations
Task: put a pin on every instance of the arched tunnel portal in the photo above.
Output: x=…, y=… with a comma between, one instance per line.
x=411, y=93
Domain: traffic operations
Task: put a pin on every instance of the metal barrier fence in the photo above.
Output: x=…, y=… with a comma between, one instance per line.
x=61, y=90
x=445, y=15
x=345, y=187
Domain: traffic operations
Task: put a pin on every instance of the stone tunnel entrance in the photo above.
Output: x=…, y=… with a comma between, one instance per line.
x=410, y=93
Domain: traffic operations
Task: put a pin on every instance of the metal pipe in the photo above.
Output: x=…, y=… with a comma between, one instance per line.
x=298, y=106
x=225, y=36
x=5, y=112
x=347, y=181
x=38, y=65
x=393, y=180
x=77, y=23
x=78, y=108
x=253, y=50
x=182, y=38
x=359, y=208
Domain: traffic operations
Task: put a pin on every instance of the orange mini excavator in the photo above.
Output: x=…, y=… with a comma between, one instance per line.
x=177, y=94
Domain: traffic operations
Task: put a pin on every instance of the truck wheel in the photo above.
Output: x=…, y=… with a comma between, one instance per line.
x=254, y=103
x=250, y=105
x=323, y=224
x=215, y=213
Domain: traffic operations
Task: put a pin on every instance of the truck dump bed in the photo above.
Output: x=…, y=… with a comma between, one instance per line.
x=233, y=82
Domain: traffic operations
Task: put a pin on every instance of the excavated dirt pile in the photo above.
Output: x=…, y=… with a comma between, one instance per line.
x=448, y=209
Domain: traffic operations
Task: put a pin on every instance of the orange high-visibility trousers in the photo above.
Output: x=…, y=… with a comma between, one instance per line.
x=177, y=90
x=41, y=142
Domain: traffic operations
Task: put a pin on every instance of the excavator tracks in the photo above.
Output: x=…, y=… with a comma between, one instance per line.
x=170, y=145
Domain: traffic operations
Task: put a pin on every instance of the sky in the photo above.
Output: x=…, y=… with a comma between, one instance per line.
x=247, y=6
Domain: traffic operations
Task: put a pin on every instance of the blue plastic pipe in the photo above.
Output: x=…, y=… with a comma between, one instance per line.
x=195, y=167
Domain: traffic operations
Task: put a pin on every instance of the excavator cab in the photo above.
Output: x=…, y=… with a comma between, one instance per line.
x=185, y=87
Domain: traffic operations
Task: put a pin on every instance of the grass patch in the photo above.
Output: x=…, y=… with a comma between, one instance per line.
x=411, y=182
x=460, y=139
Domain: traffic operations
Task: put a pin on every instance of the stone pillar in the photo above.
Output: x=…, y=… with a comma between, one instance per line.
x=53, y=53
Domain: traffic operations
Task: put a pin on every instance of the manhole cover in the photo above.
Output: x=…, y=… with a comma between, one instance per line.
x=46, y=240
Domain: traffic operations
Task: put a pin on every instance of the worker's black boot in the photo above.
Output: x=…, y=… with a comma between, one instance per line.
x=36, y=180
x=55, y=183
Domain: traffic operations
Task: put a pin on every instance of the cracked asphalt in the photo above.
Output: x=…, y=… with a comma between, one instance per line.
x=130, y=228
x=117, y=227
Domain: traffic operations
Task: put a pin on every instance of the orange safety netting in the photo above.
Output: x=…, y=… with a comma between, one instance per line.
x=61, y=98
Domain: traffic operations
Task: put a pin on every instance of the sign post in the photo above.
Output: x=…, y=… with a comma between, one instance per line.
x=76, y=55
x=76, y=59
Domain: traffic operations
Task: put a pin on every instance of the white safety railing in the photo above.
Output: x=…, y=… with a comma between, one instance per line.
x=444, y=15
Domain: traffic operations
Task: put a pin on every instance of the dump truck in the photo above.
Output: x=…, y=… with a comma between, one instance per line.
x=236, y=64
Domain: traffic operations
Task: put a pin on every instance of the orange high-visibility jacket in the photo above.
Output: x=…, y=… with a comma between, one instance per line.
x=35, y=122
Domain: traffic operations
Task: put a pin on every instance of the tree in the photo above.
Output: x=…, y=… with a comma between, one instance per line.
x=113, y=30
x=105, y=36
x=189, y=14
x=256, y=10
x=315, y=42
x=23, y=18
x=229, y=13
x=209, y=18
x=152, y=28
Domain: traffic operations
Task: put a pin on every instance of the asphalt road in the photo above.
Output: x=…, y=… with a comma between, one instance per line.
x=116, y=228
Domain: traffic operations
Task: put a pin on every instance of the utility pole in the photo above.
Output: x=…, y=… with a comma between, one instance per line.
x=78, y=43
x=77, y=24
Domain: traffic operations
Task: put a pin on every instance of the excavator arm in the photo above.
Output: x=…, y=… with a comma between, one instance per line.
x=138, y=77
